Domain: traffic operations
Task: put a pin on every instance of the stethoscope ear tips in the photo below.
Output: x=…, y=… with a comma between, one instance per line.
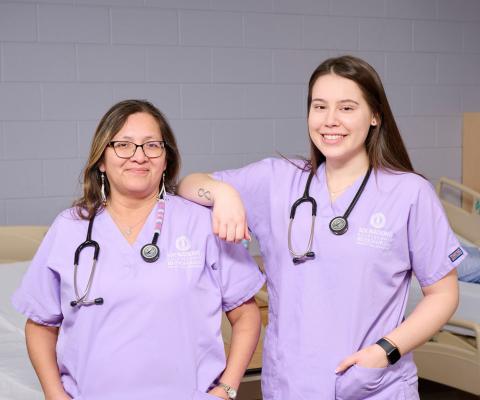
x=73, y=303
x=98, y=301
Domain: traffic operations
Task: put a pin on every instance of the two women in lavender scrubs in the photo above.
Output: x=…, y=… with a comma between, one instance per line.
x=336, y=307
x=147, y=328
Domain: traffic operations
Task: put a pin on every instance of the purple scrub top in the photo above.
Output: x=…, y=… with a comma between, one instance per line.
x=157, y=335
x=355, y=290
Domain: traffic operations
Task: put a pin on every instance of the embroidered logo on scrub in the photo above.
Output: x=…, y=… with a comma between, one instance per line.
x=455, y=254
x=374, y=236
x=184, y=257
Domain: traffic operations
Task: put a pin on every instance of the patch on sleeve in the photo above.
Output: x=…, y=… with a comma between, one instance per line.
x=455, y=254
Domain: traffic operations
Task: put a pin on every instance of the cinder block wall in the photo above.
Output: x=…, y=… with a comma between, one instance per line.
x=229, y=74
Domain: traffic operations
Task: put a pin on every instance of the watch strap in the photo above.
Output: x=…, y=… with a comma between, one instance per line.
x=393, y=354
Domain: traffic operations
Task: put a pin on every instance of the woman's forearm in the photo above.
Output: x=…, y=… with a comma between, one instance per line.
x=41, y=345
x=433, y=311
x=246, y=323
x=199, y=188
x=229, y=219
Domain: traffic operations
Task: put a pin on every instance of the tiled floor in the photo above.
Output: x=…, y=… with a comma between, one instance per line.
x=428, y=391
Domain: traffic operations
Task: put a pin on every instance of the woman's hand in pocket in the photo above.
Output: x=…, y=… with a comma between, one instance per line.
x=370, y=357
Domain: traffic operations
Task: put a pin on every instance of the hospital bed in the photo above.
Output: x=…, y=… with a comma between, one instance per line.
x=452, y=356
x=17, y=378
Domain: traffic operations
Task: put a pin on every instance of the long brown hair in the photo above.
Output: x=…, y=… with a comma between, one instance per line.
x=109, y=126
x=384, y=145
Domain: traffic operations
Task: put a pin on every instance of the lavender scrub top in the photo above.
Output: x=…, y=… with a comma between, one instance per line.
x=355, y=290
x=157, y=335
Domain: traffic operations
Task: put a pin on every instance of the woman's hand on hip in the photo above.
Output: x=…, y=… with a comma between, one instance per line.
x=370, y=357
x=229, y=217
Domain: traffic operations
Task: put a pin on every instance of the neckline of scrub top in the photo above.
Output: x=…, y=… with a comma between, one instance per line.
x=145, y=235
x=341, y=203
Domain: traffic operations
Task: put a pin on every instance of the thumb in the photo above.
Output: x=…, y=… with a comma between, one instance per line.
x=345, y=364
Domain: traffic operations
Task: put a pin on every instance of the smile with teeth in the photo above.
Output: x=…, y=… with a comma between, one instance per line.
x=332, y=136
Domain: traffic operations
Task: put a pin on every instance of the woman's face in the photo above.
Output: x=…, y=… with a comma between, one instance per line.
x=339, y=118
x=137, y=176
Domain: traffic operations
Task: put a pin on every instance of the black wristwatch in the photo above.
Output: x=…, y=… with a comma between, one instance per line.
x=393, y=354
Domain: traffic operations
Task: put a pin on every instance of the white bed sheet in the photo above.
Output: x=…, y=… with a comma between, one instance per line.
x=17, y=377
x=468, y=307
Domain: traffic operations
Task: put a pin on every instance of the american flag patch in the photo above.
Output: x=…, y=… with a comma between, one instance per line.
x=455, y=254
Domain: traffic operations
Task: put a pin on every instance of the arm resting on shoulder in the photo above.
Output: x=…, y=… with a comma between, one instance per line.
x=41, y=346
x=229, y=219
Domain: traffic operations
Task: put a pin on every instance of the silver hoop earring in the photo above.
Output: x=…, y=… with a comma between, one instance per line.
x=162, y=189
x=102, y=189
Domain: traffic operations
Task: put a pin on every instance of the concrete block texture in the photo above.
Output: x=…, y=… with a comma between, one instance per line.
x=118, y=63
x=385, y=34
x=39, y=62
x=179, y=64
x=74, y=24
x=273, y=30
x=18, y=22
x=230, y=76
x=144, y=26
x=336, y=33
x=20, y=101
x=437, y=36
x=241, y=65
x=72, y=101
x=40, y=139
x=206, y=28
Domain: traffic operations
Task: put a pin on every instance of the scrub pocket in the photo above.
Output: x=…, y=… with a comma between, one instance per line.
x=197, y=395
x=359, y=383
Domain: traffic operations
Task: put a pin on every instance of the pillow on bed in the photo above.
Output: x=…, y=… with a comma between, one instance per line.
x=469, y=269
x=10, y=278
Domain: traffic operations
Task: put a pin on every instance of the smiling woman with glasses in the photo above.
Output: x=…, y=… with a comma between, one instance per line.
x=151, y=149
x=137, y=315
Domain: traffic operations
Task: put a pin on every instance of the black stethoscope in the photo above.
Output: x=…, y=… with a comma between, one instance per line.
x=338, y=225
x=149, y=252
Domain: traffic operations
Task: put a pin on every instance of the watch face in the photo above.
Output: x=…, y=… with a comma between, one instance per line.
x=232, y=393
x=393, y=356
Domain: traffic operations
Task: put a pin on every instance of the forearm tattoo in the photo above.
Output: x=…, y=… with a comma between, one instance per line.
x=204, y=193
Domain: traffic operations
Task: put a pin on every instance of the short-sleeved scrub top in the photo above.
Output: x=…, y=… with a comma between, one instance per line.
x=355, y=290
x=157, y=335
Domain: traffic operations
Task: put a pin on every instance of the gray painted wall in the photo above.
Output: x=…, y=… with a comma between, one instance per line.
x=229, y=74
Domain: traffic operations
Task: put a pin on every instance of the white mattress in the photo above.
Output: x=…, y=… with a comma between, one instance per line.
x=17, y=378
x=468, y=308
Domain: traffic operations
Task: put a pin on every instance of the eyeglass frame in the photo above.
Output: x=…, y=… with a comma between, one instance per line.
x=163, y=144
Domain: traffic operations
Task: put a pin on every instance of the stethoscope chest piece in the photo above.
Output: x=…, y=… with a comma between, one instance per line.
x=150, y=253
x=338, y=225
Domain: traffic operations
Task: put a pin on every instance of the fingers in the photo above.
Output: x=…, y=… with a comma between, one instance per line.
x=230, y=231
x=345, y=364
x=246, y=234
x=215, y=225
x=239, y=233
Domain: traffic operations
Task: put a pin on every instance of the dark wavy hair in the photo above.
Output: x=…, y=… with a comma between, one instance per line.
x=384, y=145
x=110, y=124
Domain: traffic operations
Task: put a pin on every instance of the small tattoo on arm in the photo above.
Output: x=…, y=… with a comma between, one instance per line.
x=204, y=193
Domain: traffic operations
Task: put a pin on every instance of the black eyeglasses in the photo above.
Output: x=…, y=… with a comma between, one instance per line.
x=152, y=149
